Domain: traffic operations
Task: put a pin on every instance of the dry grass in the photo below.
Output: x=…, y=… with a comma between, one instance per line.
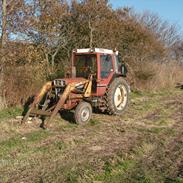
x=155, y=76
x=143, y=145
x=22, y=82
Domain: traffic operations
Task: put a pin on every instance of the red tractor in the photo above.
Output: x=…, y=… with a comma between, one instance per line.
x=96, y=80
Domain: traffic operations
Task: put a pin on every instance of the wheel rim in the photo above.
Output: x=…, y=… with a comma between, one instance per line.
x=120, y=97
x=85, y=114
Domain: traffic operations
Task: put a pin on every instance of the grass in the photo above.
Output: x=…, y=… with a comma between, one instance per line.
x=143, y=146
x=115, y=172
x=11, y=112
x=21, y=145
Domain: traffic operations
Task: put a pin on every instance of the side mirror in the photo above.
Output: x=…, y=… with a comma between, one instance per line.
x=124, y=70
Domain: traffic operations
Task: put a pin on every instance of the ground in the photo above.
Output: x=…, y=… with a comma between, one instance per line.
x=143, y=145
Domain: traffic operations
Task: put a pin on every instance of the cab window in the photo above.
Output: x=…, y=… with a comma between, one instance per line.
x=85, y=65
x=105, y=65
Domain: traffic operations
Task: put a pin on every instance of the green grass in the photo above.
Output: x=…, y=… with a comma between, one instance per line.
x=21, y=143
x=10, y=113
x=135, y=147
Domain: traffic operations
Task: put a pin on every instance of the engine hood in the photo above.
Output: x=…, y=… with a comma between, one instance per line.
x=65, y=81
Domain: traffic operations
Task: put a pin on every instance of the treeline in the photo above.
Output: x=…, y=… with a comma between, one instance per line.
x=38, y=37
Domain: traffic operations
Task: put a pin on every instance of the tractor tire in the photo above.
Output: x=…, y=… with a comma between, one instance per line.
x=117, y=96
x=83, y=113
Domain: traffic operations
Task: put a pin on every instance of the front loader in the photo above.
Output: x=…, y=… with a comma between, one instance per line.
x=97, y=80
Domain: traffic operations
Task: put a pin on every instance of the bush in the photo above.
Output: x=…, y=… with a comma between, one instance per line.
x=22, y=82
x=155, y=76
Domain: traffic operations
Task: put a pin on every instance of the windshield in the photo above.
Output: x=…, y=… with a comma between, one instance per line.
x=85, y=65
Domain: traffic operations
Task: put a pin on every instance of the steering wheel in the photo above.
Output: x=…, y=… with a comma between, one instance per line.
x=84, y=69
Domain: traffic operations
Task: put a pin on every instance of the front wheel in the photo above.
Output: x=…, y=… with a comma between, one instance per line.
x=83, y=112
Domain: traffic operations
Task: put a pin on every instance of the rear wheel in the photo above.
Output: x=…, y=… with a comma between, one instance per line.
x=83, y=113
x=117, y=96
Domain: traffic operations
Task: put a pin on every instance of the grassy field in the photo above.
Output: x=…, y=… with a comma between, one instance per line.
x=144, y=145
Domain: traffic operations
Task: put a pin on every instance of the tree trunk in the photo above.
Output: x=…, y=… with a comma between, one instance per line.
x=53, y=57
x=91, y=33
x=3, y=44
x=4, y=22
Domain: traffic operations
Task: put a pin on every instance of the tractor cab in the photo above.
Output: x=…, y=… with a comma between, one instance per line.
x=103, y=64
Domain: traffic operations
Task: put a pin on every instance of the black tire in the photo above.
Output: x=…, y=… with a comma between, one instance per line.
x=83, y=112
x=117, y=85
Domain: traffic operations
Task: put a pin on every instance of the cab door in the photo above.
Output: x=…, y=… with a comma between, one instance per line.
x=106, y=71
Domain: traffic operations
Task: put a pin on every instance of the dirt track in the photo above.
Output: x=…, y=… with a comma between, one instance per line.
x=143, y=145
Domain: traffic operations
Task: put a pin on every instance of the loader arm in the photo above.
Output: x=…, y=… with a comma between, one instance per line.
x=71, y=87
x=37, y=99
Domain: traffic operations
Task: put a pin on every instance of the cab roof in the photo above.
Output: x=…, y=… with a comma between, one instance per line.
x=96, y=50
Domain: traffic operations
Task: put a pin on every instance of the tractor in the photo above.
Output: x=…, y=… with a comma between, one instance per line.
x=96, y=81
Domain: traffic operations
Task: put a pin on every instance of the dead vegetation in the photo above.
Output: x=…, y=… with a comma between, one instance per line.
x=143, y=145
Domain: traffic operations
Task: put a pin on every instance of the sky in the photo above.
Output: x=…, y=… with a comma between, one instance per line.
x=170, y=10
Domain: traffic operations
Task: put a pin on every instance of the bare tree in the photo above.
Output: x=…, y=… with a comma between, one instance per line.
x=177, y=51
x=3, y=43
x=162, y=29
x=4, y=23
